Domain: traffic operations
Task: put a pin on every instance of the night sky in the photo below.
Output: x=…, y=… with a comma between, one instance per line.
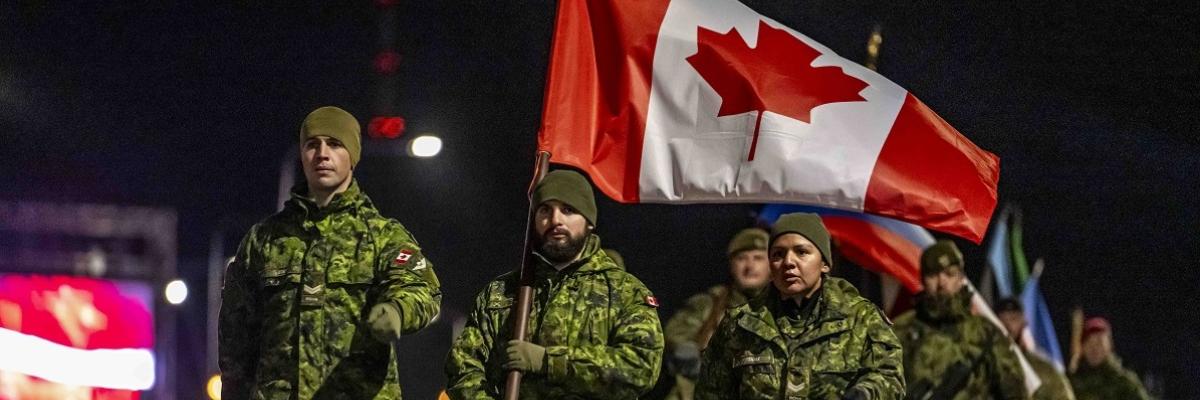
x=1091, y=107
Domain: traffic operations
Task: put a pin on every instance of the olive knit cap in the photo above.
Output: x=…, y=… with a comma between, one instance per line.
x=335, y=123
x=569, y=187
x=943, y=254
x=748, y=239
x=808, y=225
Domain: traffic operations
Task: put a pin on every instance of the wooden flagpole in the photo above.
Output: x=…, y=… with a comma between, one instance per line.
x=520, y=310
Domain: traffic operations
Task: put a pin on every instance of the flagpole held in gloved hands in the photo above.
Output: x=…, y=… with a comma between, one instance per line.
x=512, y=384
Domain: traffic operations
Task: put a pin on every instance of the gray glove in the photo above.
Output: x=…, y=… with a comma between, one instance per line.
x=524, y=356
x=384, y=320
x=685, y=359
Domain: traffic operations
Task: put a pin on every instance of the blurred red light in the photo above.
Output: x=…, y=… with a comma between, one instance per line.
x=387, y=62
x=386, y=127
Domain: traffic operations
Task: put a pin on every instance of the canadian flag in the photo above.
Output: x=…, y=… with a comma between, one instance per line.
x=707, y=101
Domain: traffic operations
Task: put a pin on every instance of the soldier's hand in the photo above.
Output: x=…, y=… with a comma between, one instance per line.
x=524, y=356
x=686, y=360
x=857, y=393
x=384, y=320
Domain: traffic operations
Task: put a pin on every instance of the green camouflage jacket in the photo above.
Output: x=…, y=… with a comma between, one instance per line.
x=685, y=328
x=296, y=297
x=938, y=341
x=767, y=348
x=1054, y=384
x=598, y=323
x=685, y=325
x=1109, y=380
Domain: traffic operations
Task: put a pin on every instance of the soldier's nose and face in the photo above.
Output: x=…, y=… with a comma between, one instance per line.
x=1014, y=323
x=947, y=282
x=796, y=265
x=326, y=163
x=561, y=229
x=750, y=269
x=1097, y=347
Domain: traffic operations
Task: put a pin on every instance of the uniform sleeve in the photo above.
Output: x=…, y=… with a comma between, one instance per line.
x=1132, y=387
x=716, y=377
x=1054, y=387
x=1009, y=378
x=408, y=281
x=628, y=365
x=686, y=323
x=238, y=324
x=882, y=373
x=466, y=376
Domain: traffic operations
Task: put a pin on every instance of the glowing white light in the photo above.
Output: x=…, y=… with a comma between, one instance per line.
x=425, y=146
x=129, y=369
x=177, y=292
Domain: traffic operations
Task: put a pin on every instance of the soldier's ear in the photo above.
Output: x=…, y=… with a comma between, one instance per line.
x=825, y=268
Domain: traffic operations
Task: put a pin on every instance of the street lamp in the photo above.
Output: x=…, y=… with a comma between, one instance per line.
x=177, y=292
x=425, y=146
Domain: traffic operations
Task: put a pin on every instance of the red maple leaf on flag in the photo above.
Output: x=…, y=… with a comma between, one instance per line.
x=776, y=75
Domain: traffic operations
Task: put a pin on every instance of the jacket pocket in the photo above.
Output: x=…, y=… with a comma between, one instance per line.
x=276, y=276
x=757, y=375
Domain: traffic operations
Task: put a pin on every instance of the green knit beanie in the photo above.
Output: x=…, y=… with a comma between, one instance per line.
x=335, y=123
x=748, y=239
x=568, y=187
x=943, y=254
x=808, y=225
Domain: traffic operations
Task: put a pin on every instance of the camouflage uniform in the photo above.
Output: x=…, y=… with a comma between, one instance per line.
x=294, y=305
x=935, y=338
x=1109, y=380
x=693, y=325
x=1054, y=384
x=597, y=322
x=767, y=348
x=687, y=325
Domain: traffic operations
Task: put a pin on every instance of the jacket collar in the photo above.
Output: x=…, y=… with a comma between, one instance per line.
x=351, y=198
x=591, y=260
x=758, y=315
x=944, y=310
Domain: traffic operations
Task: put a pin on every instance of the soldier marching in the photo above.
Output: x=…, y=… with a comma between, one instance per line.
x=318, y=293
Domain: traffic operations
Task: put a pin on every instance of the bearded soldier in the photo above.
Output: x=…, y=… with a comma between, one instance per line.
x=593, y=328
x=950, y=353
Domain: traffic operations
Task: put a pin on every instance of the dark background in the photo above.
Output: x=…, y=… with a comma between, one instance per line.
x=1091, y=107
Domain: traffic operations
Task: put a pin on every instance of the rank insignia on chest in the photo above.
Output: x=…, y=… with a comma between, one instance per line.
x=312, y=295
x=651, y=301
x=403, y=257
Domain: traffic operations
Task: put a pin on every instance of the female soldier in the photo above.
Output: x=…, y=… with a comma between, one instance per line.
x=809, y=336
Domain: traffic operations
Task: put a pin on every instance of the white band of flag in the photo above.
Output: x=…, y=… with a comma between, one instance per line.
x=129, y=369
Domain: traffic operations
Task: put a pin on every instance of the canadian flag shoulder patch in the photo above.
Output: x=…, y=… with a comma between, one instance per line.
x=403, y=257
